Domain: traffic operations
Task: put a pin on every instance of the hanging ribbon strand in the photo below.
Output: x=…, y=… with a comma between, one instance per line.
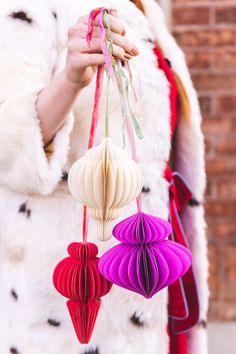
x=123, y=90
x=126, y=120
x=119, y=72
x=112, y=66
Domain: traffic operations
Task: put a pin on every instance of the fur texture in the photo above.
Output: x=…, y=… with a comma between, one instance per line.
x=39, y=217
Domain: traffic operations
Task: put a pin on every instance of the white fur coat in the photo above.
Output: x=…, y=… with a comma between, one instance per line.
x=39, y=217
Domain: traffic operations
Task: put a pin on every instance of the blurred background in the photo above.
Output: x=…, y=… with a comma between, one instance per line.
x=206, y=31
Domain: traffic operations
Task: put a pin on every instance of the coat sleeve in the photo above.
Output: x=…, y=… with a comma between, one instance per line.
x=28, y=45
x=190, y=162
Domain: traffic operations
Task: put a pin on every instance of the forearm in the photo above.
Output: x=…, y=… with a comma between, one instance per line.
x=54, y=103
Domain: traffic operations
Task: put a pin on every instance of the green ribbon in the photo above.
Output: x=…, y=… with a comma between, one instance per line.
x=119, y=75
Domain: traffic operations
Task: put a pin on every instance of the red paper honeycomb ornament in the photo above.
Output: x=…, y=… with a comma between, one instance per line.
x=77, y=278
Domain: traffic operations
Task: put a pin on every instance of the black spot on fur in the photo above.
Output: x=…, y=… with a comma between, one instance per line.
x=135, y=319
x=64, y=176
x=168, y=62
x=14, y=350
x=23, y=209
x=53, y=322
x=54, y=15
x=14, y=294
x=203, y=324
x=145, y=189
x=92, y=351
x=193, y=202
x=149, y=40
x=22, y=16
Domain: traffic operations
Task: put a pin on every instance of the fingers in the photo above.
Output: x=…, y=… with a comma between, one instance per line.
x=115, y=23
x=92, y=60
x=124, y=43
x=77, y=39
x=77, y=44
x=83, y=30
x=118, y=39
x=81, y=46
x=117, y=28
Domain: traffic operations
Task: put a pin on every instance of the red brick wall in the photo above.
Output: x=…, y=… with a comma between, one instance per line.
x=206, y=30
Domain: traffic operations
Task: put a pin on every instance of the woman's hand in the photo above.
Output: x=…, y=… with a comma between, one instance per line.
x=56, y=100
x=82, y=60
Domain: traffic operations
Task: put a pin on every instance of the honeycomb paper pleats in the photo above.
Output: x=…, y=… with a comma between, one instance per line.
x=145, y=262
x=105, y=180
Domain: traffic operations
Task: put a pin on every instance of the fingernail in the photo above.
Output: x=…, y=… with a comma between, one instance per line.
x=113, y=12
x=134, y=51
x=127, y=56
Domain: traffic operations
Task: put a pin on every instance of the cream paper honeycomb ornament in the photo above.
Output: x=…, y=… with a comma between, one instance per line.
x=105, y=179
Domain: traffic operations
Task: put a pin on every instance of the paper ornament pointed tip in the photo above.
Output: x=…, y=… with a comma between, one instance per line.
x=83, y=316
x=105, y=229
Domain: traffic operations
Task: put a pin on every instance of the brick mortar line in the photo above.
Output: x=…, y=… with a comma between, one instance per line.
x=232, y=117
x=217, y=156
x=205, y=4
x=210, y=220
x=211, y=94
x=198, y=49
x=215, y=179
x=215, y=139
x=219, y=136
x=214, y=156
x=223, y=158
x=216, y=197
x=213, y=190
x=207, y=27
x=218, y=92
x=215, y=142
x=221, y=177
x=223, y=180
x=212, y=16
x=222, y=272
x=215, y=120
x=217, y=71
x=220, y=240
x=225, y=239
x=220, y=217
